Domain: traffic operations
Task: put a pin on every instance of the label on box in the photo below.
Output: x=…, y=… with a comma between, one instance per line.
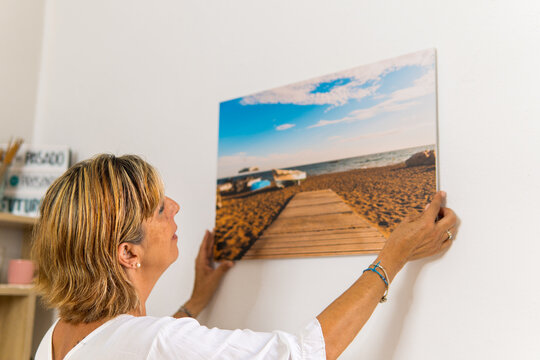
x=41, y=158
x=31, y=173
x=25, y=205
x=21, y=181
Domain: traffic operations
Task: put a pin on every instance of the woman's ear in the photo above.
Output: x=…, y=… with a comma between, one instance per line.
x=129, y=255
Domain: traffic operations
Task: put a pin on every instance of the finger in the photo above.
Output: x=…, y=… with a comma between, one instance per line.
x=210, y=249
x=202, y=256
x=450, y=234
x=434, y=207
x=445, y=245
x=448, y=219
x=210, y=242
x=202, y=247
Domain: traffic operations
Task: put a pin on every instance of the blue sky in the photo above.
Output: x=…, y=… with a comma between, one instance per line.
x=380, y=107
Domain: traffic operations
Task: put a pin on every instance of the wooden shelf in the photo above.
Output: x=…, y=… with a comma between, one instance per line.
x=11, y=220
x=17, y=302
x=16, y=290
x=17, y=321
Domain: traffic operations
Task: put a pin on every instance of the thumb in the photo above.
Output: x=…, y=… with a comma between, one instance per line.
x=433, y=208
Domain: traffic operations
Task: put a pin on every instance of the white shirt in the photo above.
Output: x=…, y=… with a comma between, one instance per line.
x=146, y=337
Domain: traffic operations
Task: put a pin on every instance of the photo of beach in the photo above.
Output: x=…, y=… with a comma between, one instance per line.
x=328, y=166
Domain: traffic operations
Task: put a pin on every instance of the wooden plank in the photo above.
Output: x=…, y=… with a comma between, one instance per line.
x=316, y=209
x=320, y=237
x=16, y=290
x=16, y=326
x=311, y=243
x=308, y=247
x=300, y=204
x=316, y=194
x=11, y=220
x=314, y=235
x=309, y=254
x=316, y=223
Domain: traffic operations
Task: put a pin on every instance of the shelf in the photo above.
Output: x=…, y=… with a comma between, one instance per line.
x=11, y=220
x=17, y=302
x=17, y=310
x=16, y=290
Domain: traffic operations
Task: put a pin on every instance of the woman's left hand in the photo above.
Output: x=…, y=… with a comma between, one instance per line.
x=207, y=278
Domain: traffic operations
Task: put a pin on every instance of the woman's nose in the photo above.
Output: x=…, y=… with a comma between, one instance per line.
x=175, y=206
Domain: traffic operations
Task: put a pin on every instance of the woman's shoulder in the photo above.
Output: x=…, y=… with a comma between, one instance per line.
x=143, y=326
x=125, y=336
x=151, y=321
x=133, y=337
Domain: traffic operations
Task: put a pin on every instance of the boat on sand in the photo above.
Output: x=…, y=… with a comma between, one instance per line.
x=284, y=178
x=228, y=186
x=258, y=184
x=248, y=169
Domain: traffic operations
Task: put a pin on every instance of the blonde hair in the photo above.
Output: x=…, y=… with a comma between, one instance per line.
x=86, y=213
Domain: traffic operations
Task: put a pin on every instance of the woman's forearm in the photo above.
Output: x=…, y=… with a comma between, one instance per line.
x=344, y=318
x=416, y=237
x=190, y=309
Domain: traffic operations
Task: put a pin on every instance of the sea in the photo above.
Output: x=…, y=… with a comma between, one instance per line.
x=333, y=166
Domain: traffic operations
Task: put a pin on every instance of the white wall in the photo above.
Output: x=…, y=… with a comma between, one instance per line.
x=147, y=77
x=21, y=33
x=21, y=36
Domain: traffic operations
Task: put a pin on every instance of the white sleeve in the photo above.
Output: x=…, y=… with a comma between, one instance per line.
x=186, y=339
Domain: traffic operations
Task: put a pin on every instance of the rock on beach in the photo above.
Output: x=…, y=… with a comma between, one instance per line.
x=422, y=158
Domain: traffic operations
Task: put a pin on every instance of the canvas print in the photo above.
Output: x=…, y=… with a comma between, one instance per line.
x=327, y=166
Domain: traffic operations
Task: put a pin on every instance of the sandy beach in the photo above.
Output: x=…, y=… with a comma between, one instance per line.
x=383, y=196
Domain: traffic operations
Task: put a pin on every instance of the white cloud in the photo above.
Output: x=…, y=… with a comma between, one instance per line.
x=397, y=101
x=285, y=127
x=329, y=122
x=381, y=134
x=301, y=93
x=422, y=86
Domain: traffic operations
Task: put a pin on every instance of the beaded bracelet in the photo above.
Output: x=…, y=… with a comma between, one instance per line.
x=373, y=268
x=186, y=311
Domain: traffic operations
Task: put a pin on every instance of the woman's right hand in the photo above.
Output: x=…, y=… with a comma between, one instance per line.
x=416, y=237
x=425, y=234
x=207, y=277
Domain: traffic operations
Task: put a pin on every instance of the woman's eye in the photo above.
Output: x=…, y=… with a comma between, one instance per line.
x=162, y=207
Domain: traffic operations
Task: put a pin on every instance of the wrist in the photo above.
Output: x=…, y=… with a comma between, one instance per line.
x=194, y=307
x=392, y=260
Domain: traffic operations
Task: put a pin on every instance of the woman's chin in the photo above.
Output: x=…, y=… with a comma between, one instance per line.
x=175, y=254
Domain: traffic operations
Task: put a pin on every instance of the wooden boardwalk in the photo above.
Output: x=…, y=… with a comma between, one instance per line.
x=316, y=223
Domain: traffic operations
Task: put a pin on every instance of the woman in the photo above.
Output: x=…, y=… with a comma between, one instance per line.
x=107, y=233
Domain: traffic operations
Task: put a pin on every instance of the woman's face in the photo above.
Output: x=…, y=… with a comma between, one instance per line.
x=160, y=240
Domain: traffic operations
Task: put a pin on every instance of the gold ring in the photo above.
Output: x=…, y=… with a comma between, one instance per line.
x=450, y=235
